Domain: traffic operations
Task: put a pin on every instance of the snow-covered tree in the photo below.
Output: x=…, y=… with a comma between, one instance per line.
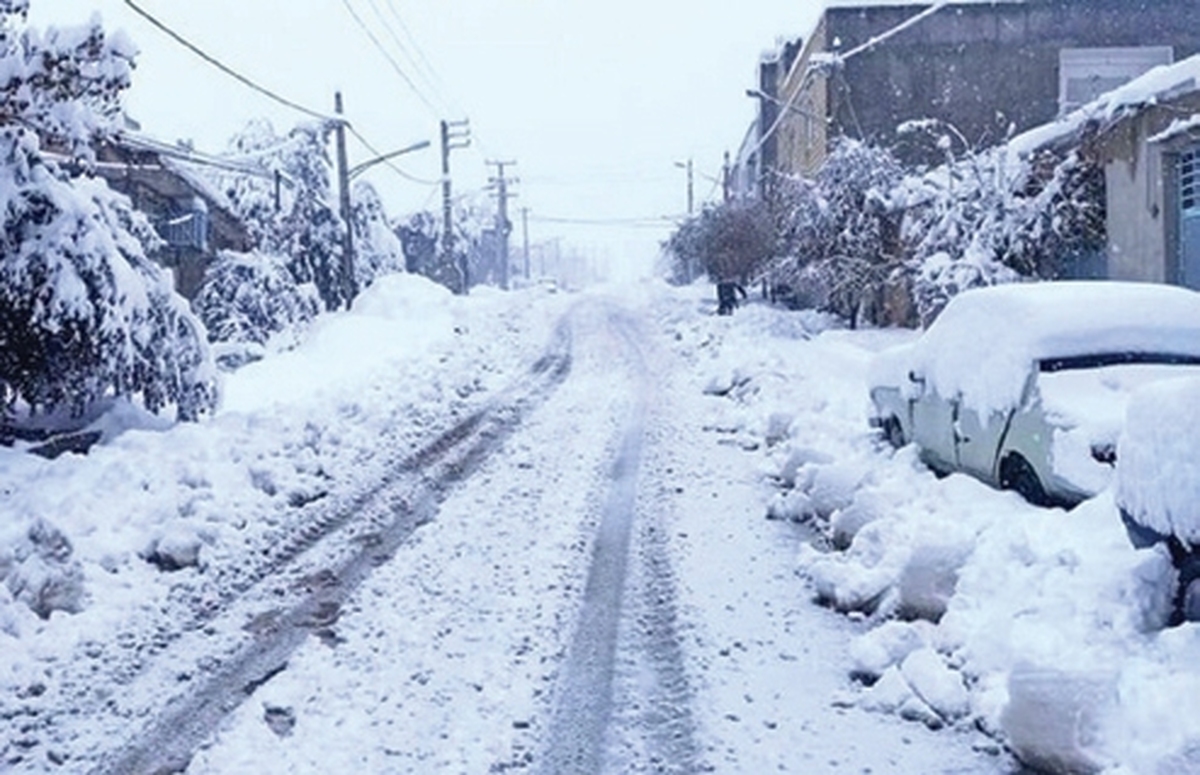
x=377, y=249
x=84, y=314
x=839, y=232
x=728, y=242
x=249, y=297
x=306, y=228
x=995, y=216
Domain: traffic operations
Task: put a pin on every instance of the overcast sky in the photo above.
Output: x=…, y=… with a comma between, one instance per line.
x=596, y=99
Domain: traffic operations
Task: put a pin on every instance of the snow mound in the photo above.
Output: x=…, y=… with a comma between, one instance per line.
x=1158, y=459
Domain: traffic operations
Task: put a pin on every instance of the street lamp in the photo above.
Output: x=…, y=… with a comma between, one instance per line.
x=366, y=165
x=691, y=201
x=758, y=95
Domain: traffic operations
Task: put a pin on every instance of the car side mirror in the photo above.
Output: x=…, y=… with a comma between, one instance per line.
x=917, y=381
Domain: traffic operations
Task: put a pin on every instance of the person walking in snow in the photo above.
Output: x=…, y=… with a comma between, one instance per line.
x=727, y=293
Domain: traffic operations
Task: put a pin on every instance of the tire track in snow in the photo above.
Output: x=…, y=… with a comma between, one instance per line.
x=383, y=518
x=622, y=693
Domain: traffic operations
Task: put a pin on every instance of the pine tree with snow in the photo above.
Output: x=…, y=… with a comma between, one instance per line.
x=85, y=316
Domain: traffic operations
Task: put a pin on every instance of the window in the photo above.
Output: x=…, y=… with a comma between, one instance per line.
x=1189, y=182
x=1087, y=73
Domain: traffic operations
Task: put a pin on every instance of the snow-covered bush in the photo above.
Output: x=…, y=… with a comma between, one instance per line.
x=249, y=297
x=994, y=216
x=839, y=231
x=84, y=314
x=726, y=242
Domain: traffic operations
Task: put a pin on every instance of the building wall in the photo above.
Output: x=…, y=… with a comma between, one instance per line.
x=1143, y=208
x=804, y=140
x=986, y=68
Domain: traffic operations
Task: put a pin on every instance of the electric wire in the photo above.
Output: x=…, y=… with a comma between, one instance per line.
x=431, y=71
x=408, y=56
x=248, y=82
x=388, y=56
x=223, y=67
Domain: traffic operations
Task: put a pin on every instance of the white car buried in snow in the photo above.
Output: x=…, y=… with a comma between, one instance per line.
x=1025, y=386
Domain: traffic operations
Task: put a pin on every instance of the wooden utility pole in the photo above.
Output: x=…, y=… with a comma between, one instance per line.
x=453, y=131
x=525, y=234
x=691, y=187
x=500, y=184
x=348, y=284
x=727, y=180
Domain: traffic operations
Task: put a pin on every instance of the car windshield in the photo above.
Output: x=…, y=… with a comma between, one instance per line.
x=1094, y=390
x=1099, y=360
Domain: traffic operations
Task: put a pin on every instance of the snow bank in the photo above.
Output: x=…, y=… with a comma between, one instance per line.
x=1158, y=459
x=987, y=341
x=1042, y=627
x=108, y=535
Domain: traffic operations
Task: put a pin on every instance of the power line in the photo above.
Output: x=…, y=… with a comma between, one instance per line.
x=224, y=68
x=408, y=57
x=387, y=55
x=435, y=78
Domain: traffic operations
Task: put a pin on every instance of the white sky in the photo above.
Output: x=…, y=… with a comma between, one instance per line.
x=596, y=99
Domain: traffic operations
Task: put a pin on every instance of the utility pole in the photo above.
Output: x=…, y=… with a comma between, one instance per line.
x=727, y=180
x=525, y=233
x=500, y=184
x=691, y=187
x=455, y=135
x=343, y=171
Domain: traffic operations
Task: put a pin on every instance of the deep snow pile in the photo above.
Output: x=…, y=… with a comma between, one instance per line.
x=1043, y=627
x=87, y=541
x=1158, y=479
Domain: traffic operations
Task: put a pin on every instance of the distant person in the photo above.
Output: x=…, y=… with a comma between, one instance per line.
x=727, y=296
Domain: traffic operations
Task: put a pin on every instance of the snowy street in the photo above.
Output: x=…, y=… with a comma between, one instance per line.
x=574, y=576
x=568, y=532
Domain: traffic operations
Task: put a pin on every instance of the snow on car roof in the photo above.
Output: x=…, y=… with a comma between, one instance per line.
x=987, y=340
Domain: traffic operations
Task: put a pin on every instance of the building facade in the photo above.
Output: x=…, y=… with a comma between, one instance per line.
x=984, y=71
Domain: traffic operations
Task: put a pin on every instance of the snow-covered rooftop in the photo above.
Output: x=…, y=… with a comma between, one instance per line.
x=1162, y=83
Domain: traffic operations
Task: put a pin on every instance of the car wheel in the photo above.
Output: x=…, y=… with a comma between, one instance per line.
x=1016, y=474
x=892, y=432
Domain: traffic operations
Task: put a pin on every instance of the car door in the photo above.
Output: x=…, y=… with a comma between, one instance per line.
x=977, y=440
x=933, y=427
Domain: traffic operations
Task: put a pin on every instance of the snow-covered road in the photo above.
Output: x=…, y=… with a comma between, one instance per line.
x=603, y=596
x=422, y=543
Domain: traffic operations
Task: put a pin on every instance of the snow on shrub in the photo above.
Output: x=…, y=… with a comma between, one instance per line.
x=247, y=298
x=84, y=314
x=306, y=228
x=377, y=249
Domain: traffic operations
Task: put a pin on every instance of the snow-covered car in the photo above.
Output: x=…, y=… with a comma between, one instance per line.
x=1025, y=386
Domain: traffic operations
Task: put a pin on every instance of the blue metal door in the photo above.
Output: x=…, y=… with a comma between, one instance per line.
x=1189, y=221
